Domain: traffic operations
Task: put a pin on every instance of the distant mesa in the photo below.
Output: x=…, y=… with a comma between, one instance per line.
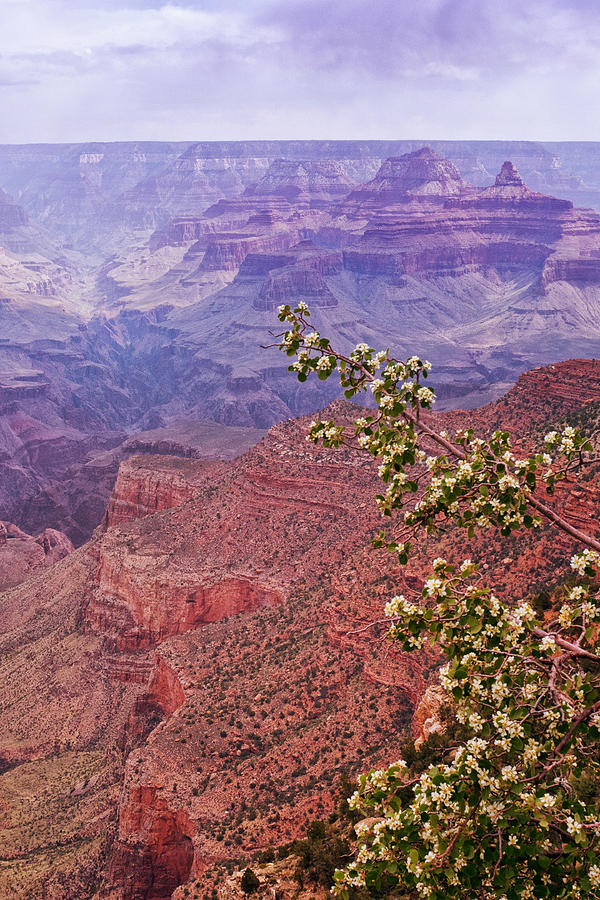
x=311, y=180
x=423, y=173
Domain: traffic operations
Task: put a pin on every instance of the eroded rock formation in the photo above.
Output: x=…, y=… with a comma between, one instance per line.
x=21, y=554
x=203, y=673
x=450, y=251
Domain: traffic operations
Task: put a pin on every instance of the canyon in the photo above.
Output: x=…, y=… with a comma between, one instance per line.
x=185, y=583
x=139, y=285
x=188, y=686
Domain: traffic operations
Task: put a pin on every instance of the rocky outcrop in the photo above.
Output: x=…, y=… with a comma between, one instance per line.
x=160, y=857
x=21, y=554
x=564, y=387
x=421, y=174
x=580, y=271
x=147, y=485
x=139, y=604
x=508, y=175
x=504, y=225
x=301, y=283
x=510, y=190
x=229, y=251
x=305, y=254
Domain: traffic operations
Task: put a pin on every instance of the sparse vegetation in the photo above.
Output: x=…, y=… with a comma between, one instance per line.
x=249, y=882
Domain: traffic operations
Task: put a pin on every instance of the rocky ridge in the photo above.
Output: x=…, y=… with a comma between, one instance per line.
x=167, y=316
x=197, y=678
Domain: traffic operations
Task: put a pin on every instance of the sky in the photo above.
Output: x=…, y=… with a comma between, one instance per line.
x=77, y=70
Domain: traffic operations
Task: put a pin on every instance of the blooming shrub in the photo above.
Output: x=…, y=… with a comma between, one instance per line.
x=499, y=815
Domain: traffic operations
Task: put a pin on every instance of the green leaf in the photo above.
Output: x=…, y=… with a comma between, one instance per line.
x=468, y=849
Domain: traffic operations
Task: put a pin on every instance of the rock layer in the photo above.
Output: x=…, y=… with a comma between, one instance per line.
x=204, y=669
x=21, y=554
x=448, y=251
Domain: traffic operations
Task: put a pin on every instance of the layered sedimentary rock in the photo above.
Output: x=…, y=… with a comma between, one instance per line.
x=11, y=215
x=420, y=174
x=21, y=554
x=424, y=219
x=146, y=485
x=217, y=648
x=310, y=182
x=227, y=252
x=171, y=314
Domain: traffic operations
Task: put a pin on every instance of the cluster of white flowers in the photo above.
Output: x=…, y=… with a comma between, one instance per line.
x=573, y=826
x=399, y=606
x=326, y=431
x=532, y=751
x=285, y=313
x=567, y=444
x=425, y=396
x=434, y=587
x=585, y=559
x=594, y=875
x=548, y=643
x=590, y=610
x=510, y=481
x=566, y=615
x=414, y=365
x=510, y=682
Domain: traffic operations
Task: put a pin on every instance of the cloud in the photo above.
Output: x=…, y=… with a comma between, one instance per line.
x=387, y=37
x=225, y=69
x=41, y=28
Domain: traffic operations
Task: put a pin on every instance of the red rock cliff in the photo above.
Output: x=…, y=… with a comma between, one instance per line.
x=149, y=484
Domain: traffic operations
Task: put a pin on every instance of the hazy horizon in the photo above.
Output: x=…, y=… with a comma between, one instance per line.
x=283, y=140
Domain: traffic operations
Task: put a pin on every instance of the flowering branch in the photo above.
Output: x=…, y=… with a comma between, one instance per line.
x=502, y=818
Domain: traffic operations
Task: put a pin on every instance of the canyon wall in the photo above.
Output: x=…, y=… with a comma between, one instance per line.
x=139, y=285
x=189, y=686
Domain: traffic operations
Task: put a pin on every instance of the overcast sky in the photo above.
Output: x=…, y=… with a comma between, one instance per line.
x=77, y=70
